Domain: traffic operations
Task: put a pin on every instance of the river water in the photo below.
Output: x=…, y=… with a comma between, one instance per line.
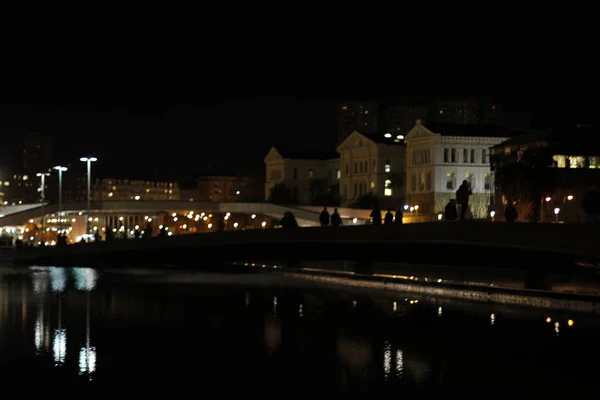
x=80, y=329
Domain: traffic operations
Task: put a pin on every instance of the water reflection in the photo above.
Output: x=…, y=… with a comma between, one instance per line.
x=87, y=353
x=399, y=364
x=40, y=279
x=85, y=278
x=272, y=336
x=39, y=331
x=87, y=360
x=58, y=279
x=355, y=348
x=59, y=346
x=387, y=360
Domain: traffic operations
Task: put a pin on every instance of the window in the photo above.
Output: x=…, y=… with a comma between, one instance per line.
x=388, y=188
x=355, y=189
x=388, y=166
x=295, y=173
x=465, y=156
x=484, y=156
x=450, y=180
x=413, y=182
x=472, y=156
x=453, y=155
x=422, y=182
x=338, y=174
x=366, y=166
x=355, y=167
x=470, y=178
x=428, y=181
x=347, y=169
x=487, y=181
x=310, y=173
x=372, y=185
x=360, y=167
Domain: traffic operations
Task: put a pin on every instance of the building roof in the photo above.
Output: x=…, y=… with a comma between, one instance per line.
x=471, y=130
x=307, y=155
x=383, y=138
x=581, y=139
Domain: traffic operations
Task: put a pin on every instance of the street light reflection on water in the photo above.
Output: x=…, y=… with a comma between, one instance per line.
x=82, y=322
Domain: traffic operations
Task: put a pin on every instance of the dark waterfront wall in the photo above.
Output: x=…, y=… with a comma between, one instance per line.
x=554, y=245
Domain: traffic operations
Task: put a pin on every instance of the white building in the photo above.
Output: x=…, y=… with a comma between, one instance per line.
x=441, y=156
x=301, y=173
x=372, y=164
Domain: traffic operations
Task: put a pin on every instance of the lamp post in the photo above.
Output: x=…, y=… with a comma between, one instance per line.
x=89, y=161
x=547, y=199
x=60, y=212
x=43, y=176
x=556, y=211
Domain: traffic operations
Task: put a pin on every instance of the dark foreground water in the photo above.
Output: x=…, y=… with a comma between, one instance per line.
x=78, y=329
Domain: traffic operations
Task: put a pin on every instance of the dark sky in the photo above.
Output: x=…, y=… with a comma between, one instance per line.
x=184, y=105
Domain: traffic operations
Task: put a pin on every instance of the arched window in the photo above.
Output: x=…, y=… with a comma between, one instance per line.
x=453, y=152
x=446, y=156
x=472, y=156
x=465, y=156
x=484, y=156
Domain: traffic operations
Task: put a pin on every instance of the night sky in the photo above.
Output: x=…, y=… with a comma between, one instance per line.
x=139, y=103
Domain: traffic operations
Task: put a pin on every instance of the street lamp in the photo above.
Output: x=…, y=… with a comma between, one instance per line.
x=556, y=211
x=43, y=176
x=547, y=199
x=60, y=213
x=89, y=161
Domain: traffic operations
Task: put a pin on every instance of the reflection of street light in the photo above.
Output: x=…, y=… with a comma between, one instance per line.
x=89, y=161
x=60, y=214
x=570, y=197
x=43, y=176
x=556, y=211
x=87, y=353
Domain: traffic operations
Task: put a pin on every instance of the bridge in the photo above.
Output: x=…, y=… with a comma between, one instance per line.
x=538, y=249
x=306, y=216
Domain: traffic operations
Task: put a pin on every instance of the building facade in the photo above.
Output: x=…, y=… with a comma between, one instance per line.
x=372, y=164
x=221, y=189
x=351, y=116
x=543, y=171
x=441, y=156
x=305, y=175
x=127, y=189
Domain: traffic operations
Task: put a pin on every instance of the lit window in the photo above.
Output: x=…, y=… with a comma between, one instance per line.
x=388, y=188
x=25, y=177
x=388, y=167
x=338, y=174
